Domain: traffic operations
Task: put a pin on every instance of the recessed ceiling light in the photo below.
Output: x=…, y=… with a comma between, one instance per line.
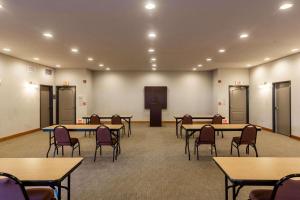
x=151, y=50
x=294, y=50
x=101, y=65
x=90, y=59
x=222, y=50
x=48, y=35
x=1, y=6
x=194, y=69
x=74, y=50
x=208, y=59
x=58, y=65
x=153, y=68
x=153, y=59
x=244, y=35
x=152, y=35
x=6, y=49
x=200, y=65
x=150, y=6
x=36, y=58
x=154, y=65
x=285, y=6
x=267, y=59
x=107, y=68
x=249, y=65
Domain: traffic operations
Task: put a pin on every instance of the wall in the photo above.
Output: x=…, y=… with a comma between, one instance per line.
x=20, y=101
x=123, y=93
x=284, y=69
x=221, y=90
x=75, y=77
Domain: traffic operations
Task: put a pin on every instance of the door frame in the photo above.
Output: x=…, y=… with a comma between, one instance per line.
x=50, y=104
x=273, y=106
x=247, y=100
x=57, y=101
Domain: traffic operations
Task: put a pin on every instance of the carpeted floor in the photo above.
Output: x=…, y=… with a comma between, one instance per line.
x=152, y=165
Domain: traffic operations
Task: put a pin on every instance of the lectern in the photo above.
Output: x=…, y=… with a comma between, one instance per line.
x=155, y=100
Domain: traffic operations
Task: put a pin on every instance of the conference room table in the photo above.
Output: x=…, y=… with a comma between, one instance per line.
x=82, y=128
x=252, y=171
x=126, y=118
x=42, y=171
x=191, y=129
x=178, y=120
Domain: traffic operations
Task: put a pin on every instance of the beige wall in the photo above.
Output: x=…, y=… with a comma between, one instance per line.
x=123, y=93
x=285, y=69
x=20, y=101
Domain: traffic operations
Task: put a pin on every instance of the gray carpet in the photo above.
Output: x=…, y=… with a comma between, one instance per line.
x=152, y=165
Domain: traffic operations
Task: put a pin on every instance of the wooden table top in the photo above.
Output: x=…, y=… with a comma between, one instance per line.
x=223, y=127
x=39, y=169
x=84, y=127
x=258, y=169
x=109, y=117
x=194, y=117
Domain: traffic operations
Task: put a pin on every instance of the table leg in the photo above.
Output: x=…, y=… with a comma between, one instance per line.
x=226, y=188
x=176, y=127
x=69, y=187
x=119, y=140
x=129, y=127
x=59, y=191
x=187, y=136
x=233, y=193
x=50, y=144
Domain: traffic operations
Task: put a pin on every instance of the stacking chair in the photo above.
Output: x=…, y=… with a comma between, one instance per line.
x=105, y=138
x=218, y=119
x=116, y=119
x=248, y=138
x=285, y=189
x=94, y=119
x=62, y=138
x=186, y=119
x=11, y=188
x=206, y=136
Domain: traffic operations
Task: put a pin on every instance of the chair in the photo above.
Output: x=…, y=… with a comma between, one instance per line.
x=248, y=137
x=206, y=136
x=186, y=119
x=285, y=189
x=116, y=119
x=218, y=119
x=105, y=138
x=62, y=138
x=94, y=119
x=11, y=188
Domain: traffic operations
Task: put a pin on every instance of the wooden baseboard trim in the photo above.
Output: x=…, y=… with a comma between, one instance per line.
x=2, y=139
x=295, y=137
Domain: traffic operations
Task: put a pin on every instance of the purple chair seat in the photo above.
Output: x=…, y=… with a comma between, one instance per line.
x=40, y=194
x=202, y=142
x=113, y=142
x=260, y=194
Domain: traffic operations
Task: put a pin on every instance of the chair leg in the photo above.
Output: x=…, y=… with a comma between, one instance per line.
x=113, y=154
x=211, y=149
x=62, y=150
x=72, y=151
x=181, y=131
x=238, y=150
x=100, y=150
x=215, y=150
x=79, y=149
x=222, y=134
x=195, y=148
x=197, y=152
x=247, y=149
x=231, y=148
x=116, y=154
x=84, y=133
x=254, y=146
x=55, y=150
x=95, y=154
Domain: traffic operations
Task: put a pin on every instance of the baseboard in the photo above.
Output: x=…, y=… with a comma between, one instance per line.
x=2, y=139
x=295, y=137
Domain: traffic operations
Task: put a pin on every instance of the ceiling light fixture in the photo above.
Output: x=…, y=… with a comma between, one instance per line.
x=48, y=35
x=286, y=6
x=6, y=49
x=74, y=50
x=294, y=50
x=154, y=65
x=150, y=6
x=249, y=65
x=194, y=69
x=200, y=65
x=36, y=58
x=151, y=50
x=208, y=59
x=222, y=50
x=153, y=69
x=152, y=35
x=58, y=65
x=101, y=65
x=153, y=59
x=267, y=59
x=1, y=6
x=107, y=68
x=90, y=59
x=244, y=35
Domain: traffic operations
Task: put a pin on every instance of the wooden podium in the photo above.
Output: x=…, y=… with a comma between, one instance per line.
x=155, y=114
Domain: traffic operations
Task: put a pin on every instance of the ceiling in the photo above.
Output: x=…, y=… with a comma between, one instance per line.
x=114, y=32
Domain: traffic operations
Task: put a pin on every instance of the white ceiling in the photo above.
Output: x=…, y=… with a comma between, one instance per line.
x=114, y=32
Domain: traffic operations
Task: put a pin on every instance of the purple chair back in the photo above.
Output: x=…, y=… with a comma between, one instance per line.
x=249, y=134
x=287, y=188
x=187, y=119
x=62, y=136
x=95, y=119
x=217, y=119
x=116, y=119
x=103, y=136
x=207, y=134
x=11, y=188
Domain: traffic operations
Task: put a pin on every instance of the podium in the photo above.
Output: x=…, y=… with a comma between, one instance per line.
x=155, y=115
